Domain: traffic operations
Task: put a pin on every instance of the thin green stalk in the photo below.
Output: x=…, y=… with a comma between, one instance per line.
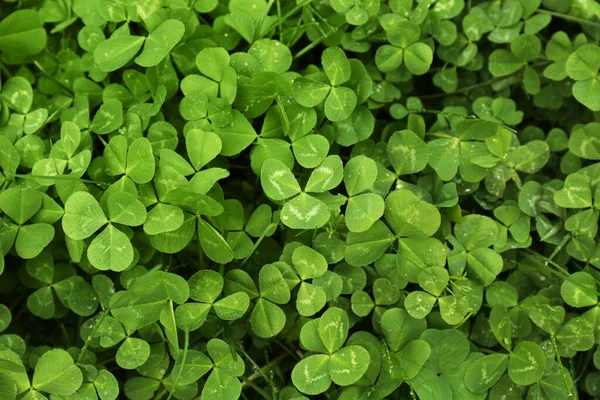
x=286, y=348
x=279, y=18
x=89, y=339
x=160, y=393
x=288, y=14
x=570, y=18
x=560, y=365
x=255, y=387
x=53, y=79
x=318, y=41
x=254, y=364
x=186, y=345
x=465, y=89
x=5, y=70
x=451, y=114
x=258, y=242
x=263, y=16
x=258, y=374
x=61, y=177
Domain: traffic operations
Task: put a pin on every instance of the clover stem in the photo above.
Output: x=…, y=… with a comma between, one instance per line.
x=91, y=336
x=318, y=41
x=258, y=374
x=255, y=387
x=570, y=18
x=53, y=78
x=560, y=365
x=286, y=348
x=5, y=70
x=257, y=243
x=186, y=345
x=160, y=393
x=254, y=364
x=61, y=177
x=466, y=88
x=450, y=114
x=280, y=20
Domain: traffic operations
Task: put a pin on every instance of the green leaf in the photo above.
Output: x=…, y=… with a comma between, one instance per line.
x=579, y=290
x=404, y=33
x=132, y=353
x=140, y=161
x=333, y=328
x=211, y=61
x=418, y=58
x=160, y=42
x=277, y=180
x=311, y=374
x=336, y=65
x=83, y=216
x=309, y=92
x=311, y=150
x=32, y=239
x=194, y=367
x=527, y=363
x=310, y=299
x=399, y=328
x=409, y=216
x=163, y=218
x=191, y=316
x=444, y=157
x=272, y=285
x=267, y=319
x=586, y=92
x=419, y=304
x=111, y=250
x=108, y=118
x=575, y=194
x=348, y=365
x=526, y=47
x=206, y=285
x=117, y=51
x=326, y=176
x=407, y=152
x=476, y=231
x=531, y=157
x=213, y=244
x=412, y=357
x=20, y=203
x=305, y=212
x=17, y=92
x=308, y=262
x=449, y=348
x=124, y=208
x=584, y=63
x=202, y=147
x=584, y=142
x=366, y=247
x=503, y=62
x=236, y=136
x=232, y=307
x=340, y=103
x=363, y=210
x=485, y=372
x=56, y=373
x=485, y=263
x=273, y=55
x=360, y=173
x=22, y=32
x=221, y=386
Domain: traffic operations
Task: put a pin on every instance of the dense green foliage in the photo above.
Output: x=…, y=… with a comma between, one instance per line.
x=292, y=199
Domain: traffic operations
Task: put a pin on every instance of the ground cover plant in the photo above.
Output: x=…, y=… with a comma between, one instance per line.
x=292, y=199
